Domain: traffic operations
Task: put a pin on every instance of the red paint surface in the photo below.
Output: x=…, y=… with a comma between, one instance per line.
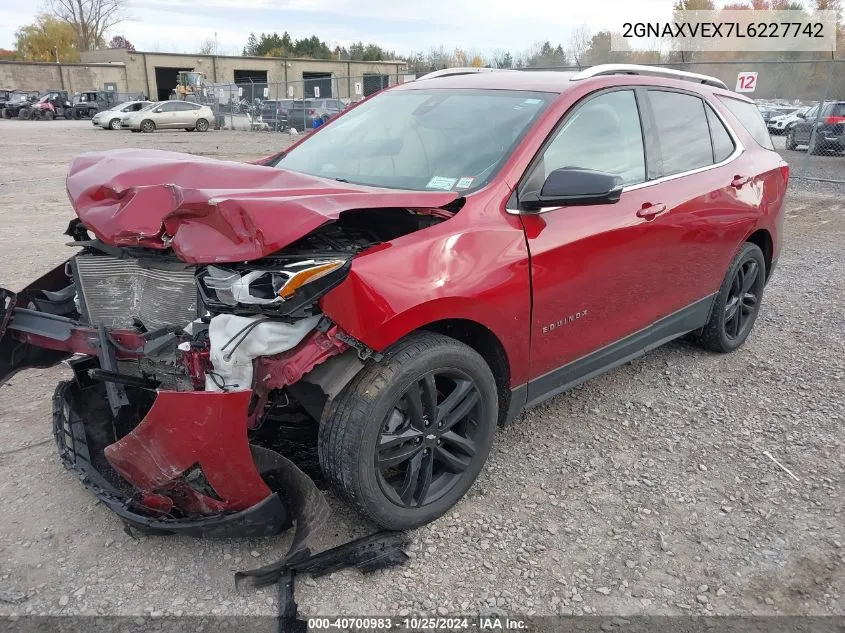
x=216, y=211
x=187, y=428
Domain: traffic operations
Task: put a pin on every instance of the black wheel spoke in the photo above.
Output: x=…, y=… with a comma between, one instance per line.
x=426, y=476
x=429, y=397
x=389, y=440
x=749, y=278
x=390, y=459
x=464, y=443
x=730, y=308
x=413, y=397
x=450, y=461
x=412, y=479
x=457, y=405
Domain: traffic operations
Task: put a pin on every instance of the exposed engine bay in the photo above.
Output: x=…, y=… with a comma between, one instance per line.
x=195, y=384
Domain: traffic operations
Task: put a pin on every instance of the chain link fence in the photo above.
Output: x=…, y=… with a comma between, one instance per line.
x=802, y=102
x=293, y=105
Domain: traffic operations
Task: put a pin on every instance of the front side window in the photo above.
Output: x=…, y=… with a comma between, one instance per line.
x=682, y=131
x=603, y=134
x=421, y=139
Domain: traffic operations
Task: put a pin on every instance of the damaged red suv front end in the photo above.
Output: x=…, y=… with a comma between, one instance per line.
x=184, y=315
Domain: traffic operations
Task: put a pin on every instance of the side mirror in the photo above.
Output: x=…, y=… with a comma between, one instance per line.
x=573, y=186
x=801, y=115
x=158, y=110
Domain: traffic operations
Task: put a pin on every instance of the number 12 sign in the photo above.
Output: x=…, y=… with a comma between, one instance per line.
x=746, y=82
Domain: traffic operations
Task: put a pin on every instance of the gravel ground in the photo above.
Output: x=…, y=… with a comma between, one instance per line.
x=645, y=491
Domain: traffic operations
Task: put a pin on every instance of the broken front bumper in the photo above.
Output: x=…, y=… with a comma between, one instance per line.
x=154, y=457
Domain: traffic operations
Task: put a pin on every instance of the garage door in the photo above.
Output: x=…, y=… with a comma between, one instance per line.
x=321, y=81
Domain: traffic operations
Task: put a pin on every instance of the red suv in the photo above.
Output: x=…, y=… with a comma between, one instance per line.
x=414, y=273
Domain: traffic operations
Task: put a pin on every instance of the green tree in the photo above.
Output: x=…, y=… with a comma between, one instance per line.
x=251, y=48
x=48, y=39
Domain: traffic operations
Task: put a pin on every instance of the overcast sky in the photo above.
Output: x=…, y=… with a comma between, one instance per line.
x=401, y=25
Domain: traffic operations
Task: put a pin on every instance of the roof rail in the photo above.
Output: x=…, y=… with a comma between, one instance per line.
x=655, y=71
x=461, y=70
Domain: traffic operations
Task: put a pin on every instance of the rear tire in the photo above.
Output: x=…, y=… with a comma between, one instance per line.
x=47, y=115
x=790, y=140
x=813, y=147
x=406, y=439
x=92, y=113
x=202, y=125
x=738, y=302
x=24, y=114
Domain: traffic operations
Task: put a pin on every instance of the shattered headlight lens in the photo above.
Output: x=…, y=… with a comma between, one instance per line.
x=264, y=287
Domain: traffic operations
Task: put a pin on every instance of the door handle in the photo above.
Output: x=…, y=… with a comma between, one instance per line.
x=739, y=181
x=651, y=211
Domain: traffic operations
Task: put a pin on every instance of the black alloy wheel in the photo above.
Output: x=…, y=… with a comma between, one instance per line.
x=428, y=439
x=407, y=437
x=738, y=301
x=743, y=300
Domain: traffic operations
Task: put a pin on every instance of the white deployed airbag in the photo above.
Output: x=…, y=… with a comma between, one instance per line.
x=236, y=341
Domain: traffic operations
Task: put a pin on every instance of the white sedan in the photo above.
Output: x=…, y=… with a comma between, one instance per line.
x=112, y=119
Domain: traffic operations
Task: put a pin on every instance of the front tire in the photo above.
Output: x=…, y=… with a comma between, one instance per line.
x=202, y=125
x=406, y=439
x=114, y=124
x=737, y=303
x=148, y=126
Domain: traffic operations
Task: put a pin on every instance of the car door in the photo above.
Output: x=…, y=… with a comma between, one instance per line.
x=804, y=127
x=588, y=262
x=707, y=198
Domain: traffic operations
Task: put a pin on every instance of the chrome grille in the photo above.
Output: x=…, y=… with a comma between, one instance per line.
x=117, y=292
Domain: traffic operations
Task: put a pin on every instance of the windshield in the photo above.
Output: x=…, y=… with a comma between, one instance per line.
x=421, y=139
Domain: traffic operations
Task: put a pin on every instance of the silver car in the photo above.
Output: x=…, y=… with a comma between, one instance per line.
x=112, y=119
x=170, y=115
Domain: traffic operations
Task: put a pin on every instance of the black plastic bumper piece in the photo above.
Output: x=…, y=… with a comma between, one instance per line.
x=266, y=518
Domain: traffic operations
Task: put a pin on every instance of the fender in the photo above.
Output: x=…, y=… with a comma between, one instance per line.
x=463, y=273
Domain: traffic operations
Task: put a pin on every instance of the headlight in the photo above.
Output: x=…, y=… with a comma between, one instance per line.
x=263, y=287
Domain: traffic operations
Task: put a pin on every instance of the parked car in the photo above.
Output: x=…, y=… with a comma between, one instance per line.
x=829, y=126
x=275, y=113
x=112, y=119
x=303, y=112
x=781, y=124
x=397, y=283
x=170, y=115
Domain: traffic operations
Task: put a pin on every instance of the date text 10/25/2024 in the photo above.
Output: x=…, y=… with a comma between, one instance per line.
x=480, y=623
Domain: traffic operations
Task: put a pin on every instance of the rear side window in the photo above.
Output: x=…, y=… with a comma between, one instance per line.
x=723, y=145
x=751, y=120
x=683, y=131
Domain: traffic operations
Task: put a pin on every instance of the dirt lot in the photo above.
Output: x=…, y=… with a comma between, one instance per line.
x=645, y=491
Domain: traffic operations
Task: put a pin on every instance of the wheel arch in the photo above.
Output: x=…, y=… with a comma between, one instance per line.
x=484, y=341
x=763, y=239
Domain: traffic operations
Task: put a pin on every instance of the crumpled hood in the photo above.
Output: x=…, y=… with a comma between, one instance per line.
x=212, y=211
